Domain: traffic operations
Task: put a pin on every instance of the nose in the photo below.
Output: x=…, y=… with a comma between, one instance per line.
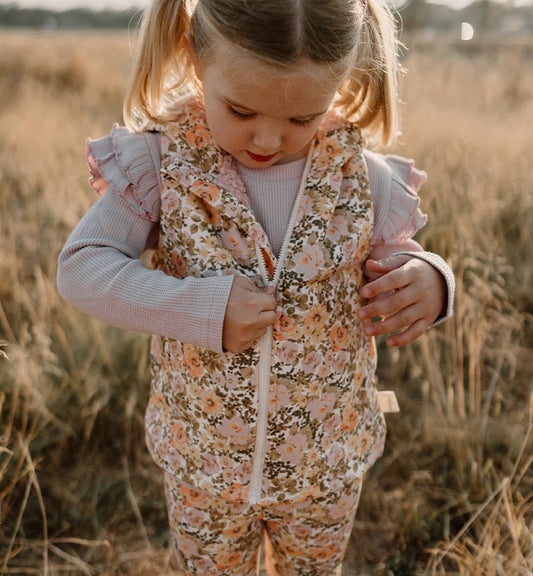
x=267, y=138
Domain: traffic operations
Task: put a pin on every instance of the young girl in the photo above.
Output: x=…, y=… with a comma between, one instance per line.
x=245, y=170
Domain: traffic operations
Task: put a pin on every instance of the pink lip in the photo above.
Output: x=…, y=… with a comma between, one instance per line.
x=259, y=158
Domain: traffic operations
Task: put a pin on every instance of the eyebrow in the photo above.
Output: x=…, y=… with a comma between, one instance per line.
x=303, y=116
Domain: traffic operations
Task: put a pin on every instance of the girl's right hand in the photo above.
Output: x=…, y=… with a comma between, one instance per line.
x=249, y=312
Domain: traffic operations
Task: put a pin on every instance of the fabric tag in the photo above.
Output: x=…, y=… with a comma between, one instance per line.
x=387, y=401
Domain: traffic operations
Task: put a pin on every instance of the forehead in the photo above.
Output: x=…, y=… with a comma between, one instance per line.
x=302, y=88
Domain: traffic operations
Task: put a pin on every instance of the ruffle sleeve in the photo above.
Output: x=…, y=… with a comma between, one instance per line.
x=395, y=183
x=130, y=163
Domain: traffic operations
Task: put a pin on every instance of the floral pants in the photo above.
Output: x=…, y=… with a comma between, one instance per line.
x=213, y=536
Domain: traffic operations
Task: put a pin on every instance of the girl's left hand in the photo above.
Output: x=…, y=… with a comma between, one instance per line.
x=407, y=293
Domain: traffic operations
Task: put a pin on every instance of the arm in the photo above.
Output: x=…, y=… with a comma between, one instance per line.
x=99, y=272
x=410, y=289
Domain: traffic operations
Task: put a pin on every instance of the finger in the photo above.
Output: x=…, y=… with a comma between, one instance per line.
x=253, y=339
x=267, y=318
x=386, y=264
x=399, y=321
x=259, y=301
x=395, y=280
x=265, y=304
x=388, y=303
x=245, y=284
x=409, y=335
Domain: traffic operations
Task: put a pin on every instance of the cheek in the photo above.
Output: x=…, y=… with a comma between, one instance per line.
x=301, y=137
x=227, y=135
x=223, y=129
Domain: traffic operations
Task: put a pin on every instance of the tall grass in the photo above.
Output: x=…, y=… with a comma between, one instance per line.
x=453, y=493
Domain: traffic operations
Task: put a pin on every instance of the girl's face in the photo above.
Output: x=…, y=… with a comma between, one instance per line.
x=261, y=114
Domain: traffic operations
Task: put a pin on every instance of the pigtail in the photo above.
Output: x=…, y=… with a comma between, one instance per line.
x=162, y=64
x=370, y=93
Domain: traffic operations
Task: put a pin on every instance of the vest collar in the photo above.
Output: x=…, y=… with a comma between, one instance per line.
x=213, y=176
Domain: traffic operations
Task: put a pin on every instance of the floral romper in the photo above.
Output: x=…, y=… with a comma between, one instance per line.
x=277, y=437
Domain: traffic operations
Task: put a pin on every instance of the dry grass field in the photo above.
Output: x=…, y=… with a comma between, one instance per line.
x=453, y=493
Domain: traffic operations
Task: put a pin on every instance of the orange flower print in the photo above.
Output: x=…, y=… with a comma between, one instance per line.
x=286, y=328
x=243, y=472
x=198, y=136
x=236, y=529
x=187, y=546
x=328, y=365
x=340, y=361
x=287, y=352
x=279, y=397
x=325, y=552
x=210, y=464
x=322, y=407
x=205, y=190
x=308, y=262
x=343, y=507
x=193, y=498
x=358, y=380
x=312, y=362
x=350, y=417
x=222, y=257
x=335, y=454
x=229, y=561
x=203, y=565
x=315, y=318
x=364, y=441
x=293, y=450
x=229, y=475
x=179, y=268
x=338, y=227
x=195, y=517
x=179, y=436
x=338, y=337
x=308, y=493
x=292, y=549
x=332, y=427
x=306, y=207
x=234, y=493
x=211, y=402
x=211, y=216
x=191, y=361
x=354, y=249
x=235, y=429
x=234, y=242
x=329, y=148
x=301, y=530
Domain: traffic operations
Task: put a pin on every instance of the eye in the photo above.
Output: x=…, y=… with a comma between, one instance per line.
x=237, y=114
x=304, y=122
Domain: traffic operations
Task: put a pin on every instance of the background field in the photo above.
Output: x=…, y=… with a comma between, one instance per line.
x=453, y=493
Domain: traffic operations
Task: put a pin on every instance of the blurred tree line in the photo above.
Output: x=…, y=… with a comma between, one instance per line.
x=11, y=16
x=486, y=16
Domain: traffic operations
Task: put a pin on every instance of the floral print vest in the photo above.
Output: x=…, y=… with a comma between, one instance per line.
x=296, y=416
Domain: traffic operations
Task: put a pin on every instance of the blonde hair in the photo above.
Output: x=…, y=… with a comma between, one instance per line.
x=358, y=34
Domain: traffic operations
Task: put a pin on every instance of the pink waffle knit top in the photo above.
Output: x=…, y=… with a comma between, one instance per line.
x=100, y=270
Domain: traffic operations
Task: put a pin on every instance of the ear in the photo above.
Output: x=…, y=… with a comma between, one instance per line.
x=192, y=55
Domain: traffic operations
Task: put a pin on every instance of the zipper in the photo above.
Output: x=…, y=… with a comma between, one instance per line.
x=265, y=348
